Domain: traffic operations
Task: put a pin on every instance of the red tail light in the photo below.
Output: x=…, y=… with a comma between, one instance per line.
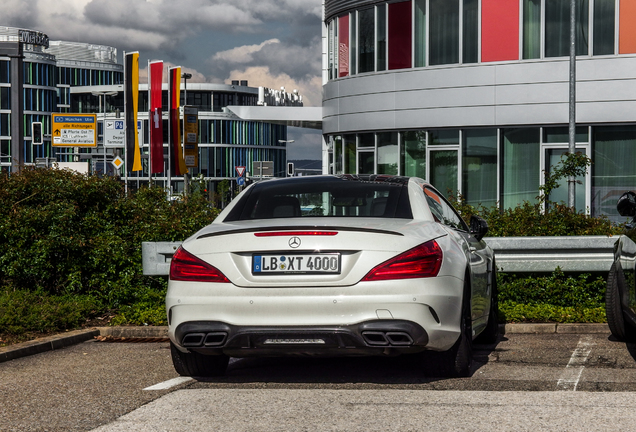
x=186, y=267
x=422, y=261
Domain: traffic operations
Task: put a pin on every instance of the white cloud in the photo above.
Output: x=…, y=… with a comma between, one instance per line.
x=242, y=54
x=302, y=64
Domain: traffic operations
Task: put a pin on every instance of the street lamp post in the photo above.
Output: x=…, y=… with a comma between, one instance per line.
x=572, y=102
x=186, y=76
x=186, y=176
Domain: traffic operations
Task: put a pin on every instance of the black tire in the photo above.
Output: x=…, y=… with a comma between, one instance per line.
x=458, y=361
x=490, y=334
x=195, y=364
x=614, y=308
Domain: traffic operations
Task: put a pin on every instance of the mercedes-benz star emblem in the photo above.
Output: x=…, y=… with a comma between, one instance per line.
x=294, y=242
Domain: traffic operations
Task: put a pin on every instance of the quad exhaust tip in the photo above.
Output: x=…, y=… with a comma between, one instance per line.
x=390, y=338
x=204, y=339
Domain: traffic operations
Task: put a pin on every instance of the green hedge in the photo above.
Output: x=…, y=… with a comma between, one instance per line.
x=530, y=219
x=551, y=298
x=64, y=234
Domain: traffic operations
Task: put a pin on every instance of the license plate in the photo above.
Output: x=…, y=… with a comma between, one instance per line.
x=296, y=264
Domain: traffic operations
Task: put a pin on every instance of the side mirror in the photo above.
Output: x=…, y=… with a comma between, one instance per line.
x=478, y=227
x=626, y=204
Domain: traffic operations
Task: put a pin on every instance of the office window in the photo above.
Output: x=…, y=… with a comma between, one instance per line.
x=444, y=171
x=444, y=137
x=604, y=24
x=443, y=161
x=337, y=155
x=366, y=162
x=414, y=153
x=381, y=37
x=5, y=98
x=5, y=75
x=479, y=167
x=531, y=29
x=560, y=135
x=349, y=142
x=388, y=153
x=5, y=150
x=366, y=40
x=470, y=35
x=614, y=152
x=521, y=170
x=353, y=51
x=5, y=124
x=557, y=28
x=419, y=37
x=444, y=32
x=400, y=35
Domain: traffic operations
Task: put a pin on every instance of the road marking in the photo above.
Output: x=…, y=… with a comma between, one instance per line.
x=169, y=384
x=570, y=377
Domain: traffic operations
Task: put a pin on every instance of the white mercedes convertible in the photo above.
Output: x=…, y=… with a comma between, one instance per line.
x=335, y=266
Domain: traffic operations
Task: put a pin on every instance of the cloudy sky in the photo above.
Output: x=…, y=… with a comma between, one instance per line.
x=270, y=43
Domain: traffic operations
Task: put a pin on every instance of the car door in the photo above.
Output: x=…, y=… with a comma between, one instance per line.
x=477, y=253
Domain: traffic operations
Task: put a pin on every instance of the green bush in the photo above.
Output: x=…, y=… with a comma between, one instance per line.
x=530, y=219
x=66, y=234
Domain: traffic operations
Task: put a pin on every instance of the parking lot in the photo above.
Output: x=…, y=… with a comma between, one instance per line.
x=114, y=385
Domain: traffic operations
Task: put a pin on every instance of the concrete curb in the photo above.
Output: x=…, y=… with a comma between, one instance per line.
x=48, y=343
x=131, y=334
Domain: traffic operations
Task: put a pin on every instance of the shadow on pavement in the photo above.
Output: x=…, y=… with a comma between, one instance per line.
x=399, y=370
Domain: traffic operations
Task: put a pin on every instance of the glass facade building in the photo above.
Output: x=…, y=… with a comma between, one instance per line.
x=36, y=77
x=39, y=77
x=472, y=95
x=225, y=140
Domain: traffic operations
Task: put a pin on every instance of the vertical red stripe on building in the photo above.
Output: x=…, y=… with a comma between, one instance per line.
x=343, y=46
x=627, y=29
x=400, y=29
x=499, y=30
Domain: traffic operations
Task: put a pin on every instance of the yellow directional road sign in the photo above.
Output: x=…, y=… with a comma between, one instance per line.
x=74, y=130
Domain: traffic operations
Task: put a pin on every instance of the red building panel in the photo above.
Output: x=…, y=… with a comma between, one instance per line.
x=400, y=29
x=627, y=29
x=343, y=46
x=499, y=30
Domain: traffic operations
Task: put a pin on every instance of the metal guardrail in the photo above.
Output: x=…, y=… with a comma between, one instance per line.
x=513, y=254
x=545, y=254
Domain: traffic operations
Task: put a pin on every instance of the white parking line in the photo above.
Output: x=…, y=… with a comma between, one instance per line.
x=570, y=377
x=169, y=384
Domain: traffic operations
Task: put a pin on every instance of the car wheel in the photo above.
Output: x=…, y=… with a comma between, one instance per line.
x=195, y=364
x=490, y=334
x=614, y=308
x=457, y=361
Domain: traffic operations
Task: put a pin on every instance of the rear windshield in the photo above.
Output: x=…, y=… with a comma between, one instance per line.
x=324, y=197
